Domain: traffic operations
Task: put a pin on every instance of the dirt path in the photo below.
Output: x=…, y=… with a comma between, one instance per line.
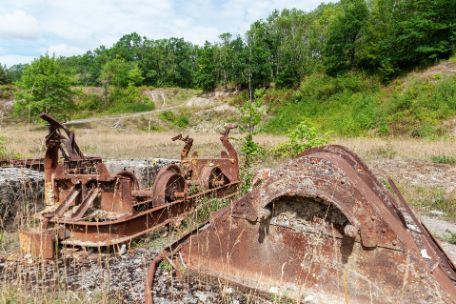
x=119, y=117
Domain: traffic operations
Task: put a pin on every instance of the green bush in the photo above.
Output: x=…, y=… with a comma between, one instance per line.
x=90, y=102
x=354, y=105
x=249, y=120
x=180, y=120
x=129, y=99
x=132, y=107
x=6, y=91
x=303, y=137
x=443, y=159
x=252, y=150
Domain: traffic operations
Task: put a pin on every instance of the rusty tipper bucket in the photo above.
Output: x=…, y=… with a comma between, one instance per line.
x=323, y=229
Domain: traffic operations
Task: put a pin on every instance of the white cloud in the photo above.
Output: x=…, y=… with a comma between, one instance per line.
x=13, y=59
x=64, y=50
x=18, y=25
x=67, y=27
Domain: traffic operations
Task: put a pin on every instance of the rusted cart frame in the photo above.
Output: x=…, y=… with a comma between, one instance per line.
x=322, y=228
x=87, y=206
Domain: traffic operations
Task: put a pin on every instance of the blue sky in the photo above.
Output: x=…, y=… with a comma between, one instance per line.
x=30, y=28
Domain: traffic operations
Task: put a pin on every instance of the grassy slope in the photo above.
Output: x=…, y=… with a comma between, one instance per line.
x=419, y=104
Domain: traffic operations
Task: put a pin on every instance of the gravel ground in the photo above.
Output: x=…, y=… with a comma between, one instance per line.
x=416, y=172
x=169, y=290
x=123, y=276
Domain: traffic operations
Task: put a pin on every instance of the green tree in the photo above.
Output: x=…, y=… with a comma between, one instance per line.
x=15, y=71
x=249, y=120
x=4, y=75
x=345, y=35
x=205, y=75
x=44, y=86
x=423, y=32
x=120, y=73
x=259, y=57
x=375, y=43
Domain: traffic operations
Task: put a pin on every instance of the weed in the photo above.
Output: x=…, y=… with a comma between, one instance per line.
x=180, y=120
x=430, y=198
x=443, y=159
x=303, y=137
x=165, y=265
x=207, y=206
x=249, y=120
x=3, y=153
x=451, y=238
x=385, y=151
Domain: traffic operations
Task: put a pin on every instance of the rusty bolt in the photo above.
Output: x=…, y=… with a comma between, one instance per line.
x=350, y=231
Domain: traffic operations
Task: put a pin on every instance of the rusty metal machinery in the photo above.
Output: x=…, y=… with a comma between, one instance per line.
x=86, y=206
x=65, y=139
x=320, y=229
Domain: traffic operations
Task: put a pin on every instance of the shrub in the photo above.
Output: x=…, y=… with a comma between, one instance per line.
x=251, y=149
x=384, y=151
x=303, y=137
x=443, y=159
x=6, y=91
x=180, y=120
x=129, y=99
x=90, y=102
x=249, y=120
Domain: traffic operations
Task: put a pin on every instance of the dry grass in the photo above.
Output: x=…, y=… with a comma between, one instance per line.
x=124, y=143
x=28, y=141
x=406, y=148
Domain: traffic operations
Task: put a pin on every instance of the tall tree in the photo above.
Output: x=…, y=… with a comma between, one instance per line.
x=4, y=75
x=44, y=86
x=259, y=57
x=205, y=75
x=120, y=73
x=423, y=32
x=343, y=41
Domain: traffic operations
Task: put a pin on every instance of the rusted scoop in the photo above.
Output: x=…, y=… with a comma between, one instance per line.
x=321, y=229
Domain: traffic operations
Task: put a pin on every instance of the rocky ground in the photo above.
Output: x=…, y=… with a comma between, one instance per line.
x=417, y=172
x=122, y=276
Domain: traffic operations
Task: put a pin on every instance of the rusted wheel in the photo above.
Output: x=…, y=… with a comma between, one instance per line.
x=213, y=177
x=168, y=185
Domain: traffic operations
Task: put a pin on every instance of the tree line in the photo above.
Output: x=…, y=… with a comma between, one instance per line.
x=380, y=37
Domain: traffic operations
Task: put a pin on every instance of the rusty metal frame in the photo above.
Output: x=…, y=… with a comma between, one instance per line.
x=86, y=206
x=66, y=141
x=366, y=247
